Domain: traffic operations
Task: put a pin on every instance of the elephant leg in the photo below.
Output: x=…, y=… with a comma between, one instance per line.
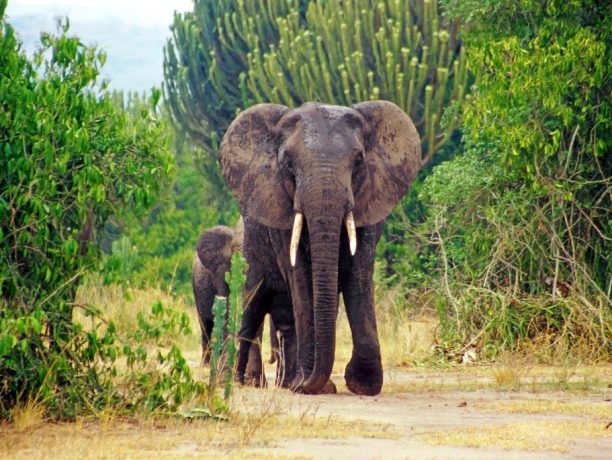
x=255, y=375
x=364, y=373
x=301, y=299
x=300, y=284
x=204, y=294
x=274, y=345
x=282, y=316
x=249, y=353
x=206, y=328
x=300, y=294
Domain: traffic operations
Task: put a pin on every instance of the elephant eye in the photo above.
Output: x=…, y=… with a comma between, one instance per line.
x=288, y=163
x=285, y=161
x=359, y=158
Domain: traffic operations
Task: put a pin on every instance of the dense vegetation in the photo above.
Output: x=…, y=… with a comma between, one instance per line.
x=157, y=249
x=70, y=160
x=226, y=56
x=522, y=220
x=507, y=232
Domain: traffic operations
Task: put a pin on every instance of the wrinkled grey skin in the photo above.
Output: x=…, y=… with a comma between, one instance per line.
x=324, y=162
x=210, y=263
x=264, y=298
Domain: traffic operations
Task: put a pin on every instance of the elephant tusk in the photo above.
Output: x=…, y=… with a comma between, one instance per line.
x=352, y=233
x=295, y=237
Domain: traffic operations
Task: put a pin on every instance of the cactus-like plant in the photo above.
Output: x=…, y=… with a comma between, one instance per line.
x=225, y=56
x=205, y=61
x=354, y=50
x=235, y=279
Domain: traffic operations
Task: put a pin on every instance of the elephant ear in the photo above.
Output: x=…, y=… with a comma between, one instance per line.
x=248, y=157
x=392, y=157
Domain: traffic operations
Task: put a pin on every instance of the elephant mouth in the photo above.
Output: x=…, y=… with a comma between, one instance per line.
x=298, y=224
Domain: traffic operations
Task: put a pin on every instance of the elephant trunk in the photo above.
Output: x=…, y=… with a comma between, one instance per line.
x=324, y=247
x=324, y=212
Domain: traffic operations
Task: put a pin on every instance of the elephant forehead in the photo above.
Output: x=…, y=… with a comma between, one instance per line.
x=327, y=127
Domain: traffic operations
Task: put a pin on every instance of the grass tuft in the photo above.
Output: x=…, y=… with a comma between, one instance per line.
x=28, y=415
x=122, y=305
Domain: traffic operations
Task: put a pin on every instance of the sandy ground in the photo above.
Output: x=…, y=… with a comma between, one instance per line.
x=508, y=410
x=461, y=412
x=422, y=407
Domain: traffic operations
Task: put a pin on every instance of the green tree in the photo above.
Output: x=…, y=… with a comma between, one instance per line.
x=70, y=159
x=521, y=225
x=225, y=56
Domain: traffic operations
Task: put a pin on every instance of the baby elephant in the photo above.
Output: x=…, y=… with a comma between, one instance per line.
x=210, y=263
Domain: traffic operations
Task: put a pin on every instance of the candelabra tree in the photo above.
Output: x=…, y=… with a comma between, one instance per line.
x=354, y=50
x=205, y=62
x=225, y=56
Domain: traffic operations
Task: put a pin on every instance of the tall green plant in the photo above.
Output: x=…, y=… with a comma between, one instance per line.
x=521, y=225
x=70, y=159
x=235, y=279
x=351, y=51
x=222, y=59
x=227, y=317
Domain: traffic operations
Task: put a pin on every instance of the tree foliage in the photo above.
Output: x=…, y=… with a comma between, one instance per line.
x=519, y=227
x=70, y=159
x=225, y=56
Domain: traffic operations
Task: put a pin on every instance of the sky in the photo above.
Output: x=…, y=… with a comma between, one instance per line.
x=132, y=32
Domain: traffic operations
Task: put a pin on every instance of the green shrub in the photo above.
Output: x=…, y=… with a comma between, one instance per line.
x=518, y=229
x=71, y=159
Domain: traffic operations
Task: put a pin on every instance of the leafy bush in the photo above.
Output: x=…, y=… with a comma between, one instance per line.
x=157, y=250
x=519, y=230
x=71, y=159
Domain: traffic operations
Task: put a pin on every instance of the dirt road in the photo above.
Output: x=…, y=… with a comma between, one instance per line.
x=463, y=412
x=451, y=415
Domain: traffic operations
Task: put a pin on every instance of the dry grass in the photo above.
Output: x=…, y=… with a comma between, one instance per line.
x=532, y=436
x=173, y=438
x=28, y=415
x=122, y=306
x=403, y=340
x=601, y=410
x=510, y=370
x=593, y=379
x=264, y=418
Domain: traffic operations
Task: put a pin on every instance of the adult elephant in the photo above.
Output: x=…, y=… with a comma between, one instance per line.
x=212, y=259
x=341, y=170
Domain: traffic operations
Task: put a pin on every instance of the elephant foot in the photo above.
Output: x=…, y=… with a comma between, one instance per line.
x=273, y=356
x=364, y=379
x=256, y=381
x=328, y=389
